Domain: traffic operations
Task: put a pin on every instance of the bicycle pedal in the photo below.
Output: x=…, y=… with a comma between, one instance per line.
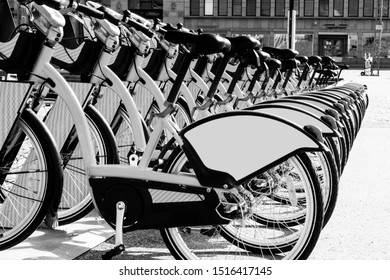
x=117, y=250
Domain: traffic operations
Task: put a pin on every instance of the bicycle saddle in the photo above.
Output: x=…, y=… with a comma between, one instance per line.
x=314, y=60
x=302, y=59
x=254, y=58
x=289, y=64
x=241, y=44
x=274, y=63
x=281, y=53
x=264, y=56
x=205, y=43
x=249, y=58
x=273, y=66
x=327, y=60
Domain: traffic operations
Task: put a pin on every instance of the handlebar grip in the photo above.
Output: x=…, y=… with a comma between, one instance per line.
x=108, y=16
x=90, y=11
x=140, y=27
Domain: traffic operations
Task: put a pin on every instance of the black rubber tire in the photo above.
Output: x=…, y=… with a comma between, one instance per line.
x=179, y=250
x=52, y=188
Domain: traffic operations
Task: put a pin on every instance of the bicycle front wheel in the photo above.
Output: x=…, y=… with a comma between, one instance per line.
x=246, y=238
x=31, y=180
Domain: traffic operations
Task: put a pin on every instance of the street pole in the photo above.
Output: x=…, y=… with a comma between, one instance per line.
x=291, y=25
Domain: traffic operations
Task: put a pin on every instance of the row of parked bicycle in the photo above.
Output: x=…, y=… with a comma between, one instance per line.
x=232, y=150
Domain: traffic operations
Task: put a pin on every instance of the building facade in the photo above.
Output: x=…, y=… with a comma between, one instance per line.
x=344, y=29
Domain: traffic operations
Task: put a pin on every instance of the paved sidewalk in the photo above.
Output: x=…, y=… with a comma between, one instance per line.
x=360, y=225
x=64, y=243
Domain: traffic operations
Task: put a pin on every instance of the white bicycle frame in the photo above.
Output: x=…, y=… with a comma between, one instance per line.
x=43, y=70
x=245, y=163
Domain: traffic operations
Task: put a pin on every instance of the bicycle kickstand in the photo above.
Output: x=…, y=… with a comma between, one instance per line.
x=119, y=247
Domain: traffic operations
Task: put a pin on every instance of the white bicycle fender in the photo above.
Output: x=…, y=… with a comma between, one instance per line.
x=242, y=143
x=297, y=116
x=299, y=104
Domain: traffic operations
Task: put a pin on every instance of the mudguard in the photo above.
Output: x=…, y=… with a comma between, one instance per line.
x=327, y=105
x=299, y=104
x=319, y=103
x=229, y=148
x=297, y=116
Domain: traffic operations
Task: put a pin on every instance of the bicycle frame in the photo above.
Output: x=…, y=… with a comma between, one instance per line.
x=214, y=169
x=58, y=84
x=120, y=89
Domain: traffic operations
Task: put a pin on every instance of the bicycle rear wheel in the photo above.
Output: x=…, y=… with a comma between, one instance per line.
x=245, y=238
x=31, y=180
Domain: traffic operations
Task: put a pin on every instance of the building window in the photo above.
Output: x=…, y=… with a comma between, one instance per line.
x=265, y=8
x=323, y=8
x=250, y=7
x=308, y=8
x=222, y=7
x=208, y=7
x=146, y=4
x=134, y=4
x=279, y=8
x=237, y=7
x=140, y=4
x=297, y=6
x=353, y=8
x=368, y=8
x=338, y=8
x=385, y=8
x=194, y=7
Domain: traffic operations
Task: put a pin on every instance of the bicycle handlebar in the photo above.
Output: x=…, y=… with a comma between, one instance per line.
x=110, y=15
x=58, y=4
x=90, y=11
x=128, y=19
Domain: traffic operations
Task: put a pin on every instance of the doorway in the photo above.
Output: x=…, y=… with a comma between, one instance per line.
x=333, y=45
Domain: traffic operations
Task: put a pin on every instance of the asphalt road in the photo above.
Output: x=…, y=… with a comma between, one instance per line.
x=360, y=225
